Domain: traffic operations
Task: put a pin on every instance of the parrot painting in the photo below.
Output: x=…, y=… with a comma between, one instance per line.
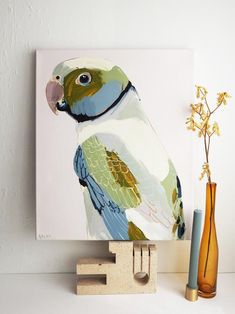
x=130, y=186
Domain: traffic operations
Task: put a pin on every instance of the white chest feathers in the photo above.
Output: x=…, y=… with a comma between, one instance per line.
x=129, y=124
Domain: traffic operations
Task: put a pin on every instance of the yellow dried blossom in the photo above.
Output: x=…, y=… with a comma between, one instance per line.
x=192, y=110
x=215, y=129
x=209, y=131
x=222, y=98
x=201, y=92
x=196, y=108
x=201, y=133
x=205, y=171
x=191, y=124
x=204, y=115
x=204, y=125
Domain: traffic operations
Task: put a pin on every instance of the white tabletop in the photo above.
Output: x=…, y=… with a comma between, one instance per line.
x=55, y=294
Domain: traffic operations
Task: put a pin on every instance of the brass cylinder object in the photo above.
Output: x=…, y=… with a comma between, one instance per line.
x=191, y=294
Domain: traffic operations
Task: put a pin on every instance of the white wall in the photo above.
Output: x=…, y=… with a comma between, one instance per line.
x=204, y=25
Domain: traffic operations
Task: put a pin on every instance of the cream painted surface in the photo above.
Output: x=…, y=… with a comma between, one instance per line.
x=205, y=26
x=59, y=201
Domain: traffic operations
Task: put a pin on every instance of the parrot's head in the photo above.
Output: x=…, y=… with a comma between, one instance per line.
x=86, y=88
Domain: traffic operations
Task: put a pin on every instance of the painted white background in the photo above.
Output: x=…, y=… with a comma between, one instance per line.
x=60, y=208
x=205, y=26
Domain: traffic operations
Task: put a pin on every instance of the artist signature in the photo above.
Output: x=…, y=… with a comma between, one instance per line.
x=44, y=236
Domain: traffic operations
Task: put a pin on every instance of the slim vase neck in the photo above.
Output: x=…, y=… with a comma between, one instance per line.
x=210, y=200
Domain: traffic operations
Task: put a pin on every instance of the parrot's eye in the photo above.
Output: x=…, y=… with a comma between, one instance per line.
x=57, y=77
x=83, y=79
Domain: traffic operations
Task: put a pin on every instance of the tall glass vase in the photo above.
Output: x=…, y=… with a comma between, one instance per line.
x=208, y=256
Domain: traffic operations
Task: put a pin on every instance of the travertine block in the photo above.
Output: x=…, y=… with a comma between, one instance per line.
x=131, y=269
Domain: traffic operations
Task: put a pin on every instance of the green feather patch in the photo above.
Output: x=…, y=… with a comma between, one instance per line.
x=135, y=233
x=111, y=173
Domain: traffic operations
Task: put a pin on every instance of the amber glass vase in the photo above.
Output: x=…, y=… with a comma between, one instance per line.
x=208, y=257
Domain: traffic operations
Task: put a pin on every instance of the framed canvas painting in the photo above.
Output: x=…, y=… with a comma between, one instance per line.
x=113, y=159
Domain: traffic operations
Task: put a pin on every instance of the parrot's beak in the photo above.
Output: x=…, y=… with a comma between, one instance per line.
x=54, y=93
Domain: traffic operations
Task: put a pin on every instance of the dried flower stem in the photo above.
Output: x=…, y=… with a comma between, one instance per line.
x=200, y=120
